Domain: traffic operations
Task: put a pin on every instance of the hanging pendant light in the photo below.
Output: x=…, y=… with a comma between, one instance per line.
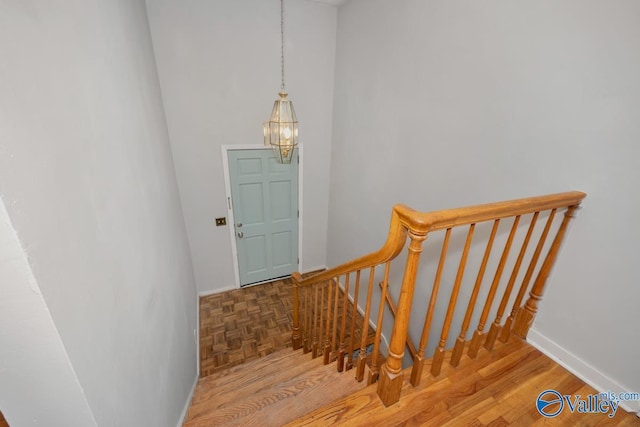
x=281, y=131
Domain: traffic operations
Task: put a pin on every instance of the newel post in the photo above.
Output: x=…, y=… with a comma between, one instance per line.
x=390, y=378
x=526, y=314
x=296, y=338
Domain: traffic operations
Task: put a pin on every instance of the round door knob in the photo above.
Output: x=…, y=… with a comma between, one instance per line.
x=240, y=234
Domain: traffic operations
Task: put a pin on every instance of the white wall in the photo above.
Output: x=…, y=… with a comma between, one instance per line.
x=87, y=178
x=219, y=67
x=39, y=384
x=443, y=104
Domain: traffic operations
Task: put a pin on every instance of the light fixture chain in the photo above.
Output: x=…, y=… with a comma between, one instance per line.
x=282, y=43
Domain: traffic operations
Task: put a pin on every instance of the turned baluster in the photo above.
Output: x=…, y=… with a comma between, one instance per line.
x=362, y=356
x=334, y=328
x=314, y=346
x=438, y=355
x=478, y=335
x=327, y=331
x=390, y=376
x=343, y=324
x=373, y=373
x=296, y=340
x=460, y=341
x=495, y=326
x=306, y=346
x=418, y=361
x=506, y=328
x=322, y=320
x=525, y=316
x=309, y=297
x=394, y=312
x=354, y=314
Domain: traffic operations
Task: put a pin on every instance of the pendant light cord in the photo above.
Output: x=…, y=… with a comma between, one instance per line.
x=282, y=43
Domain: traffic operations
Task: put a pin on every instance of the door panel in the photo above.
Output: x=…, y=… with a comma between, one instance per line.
x=252, y=202
x=265, y=210
x=280, y=201
x=282, y=249
x=254, y=255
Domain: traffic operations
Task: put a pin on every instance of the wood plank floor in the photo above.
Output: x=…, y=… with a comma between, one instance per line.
x=497, y=388
x=269, y=391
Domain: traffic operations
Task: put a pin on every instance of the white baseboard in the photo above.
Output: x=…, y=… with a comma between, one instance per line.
x=195, y=382
x=233, y=288
x=580, y=368
x=187, y=404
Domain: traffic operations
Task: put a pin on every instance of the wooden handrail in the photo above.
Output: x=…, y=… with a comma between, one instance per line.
x=438, y=220
x=404, y=219
x=409, y=225
x=390, y=249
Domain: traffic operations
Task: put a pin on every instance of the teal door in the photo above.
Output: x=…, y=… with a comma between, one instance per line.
x=265, y=211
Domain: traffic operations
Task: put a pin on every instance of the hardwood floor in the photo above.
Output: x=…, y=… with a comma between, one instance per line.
x=498, y=388
x=269, y=391
x=495, y=389
x=3, y=422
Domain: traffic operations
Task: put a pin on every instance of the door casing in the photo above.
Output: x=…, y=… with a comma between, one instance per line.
x=229, y=204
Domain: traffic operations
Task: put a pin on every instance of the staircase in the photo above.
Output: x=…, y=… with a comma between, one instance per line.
x=534, y=227
x=333, y=314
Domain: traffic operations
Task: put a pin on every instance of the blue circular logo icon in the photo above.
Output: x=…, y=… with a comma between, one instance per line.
x=549, y=403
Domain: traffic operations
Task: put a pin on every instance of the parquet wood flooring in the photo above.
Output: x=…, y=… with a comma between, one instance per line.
x=244, y=324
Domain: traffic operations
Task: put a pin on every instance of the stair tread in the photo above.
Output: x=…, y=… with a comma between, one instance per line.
x=277, y=401
x=211, y=395
x=220, y=377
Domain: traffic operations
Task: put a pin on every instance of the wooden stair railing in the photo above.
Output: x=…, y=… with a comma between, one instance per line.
x=329, y=306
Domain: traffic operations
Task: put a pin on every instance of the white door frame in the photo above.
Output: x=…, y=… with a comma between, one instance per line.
x=231, y=223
